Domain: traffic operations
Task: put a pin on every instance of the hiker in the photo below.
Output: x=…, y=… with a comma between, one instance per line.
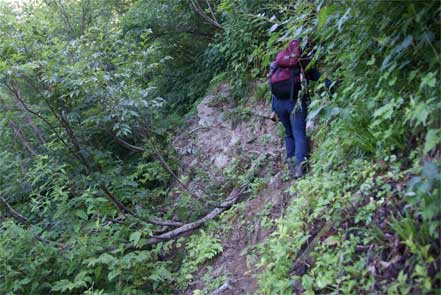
x=288, y=81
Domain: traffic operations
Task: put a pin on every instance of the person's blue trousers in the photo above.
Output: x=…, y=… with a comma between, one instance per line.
x=295, y=126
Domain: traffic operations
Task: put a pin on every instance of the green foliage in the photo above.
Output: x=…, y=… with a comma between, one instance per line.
x=351, y=200
x=76, y=74
x=210, y=282
x=424, y=196
x=70, y=72
x=201, y=248
x=384, y=70
x=240, y=47
x=319, y=198
x=180, y=39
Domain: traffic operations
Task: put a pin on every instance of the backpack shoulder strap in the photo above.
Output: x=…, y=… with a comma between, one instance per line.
x=273, y=68
x=291, y=83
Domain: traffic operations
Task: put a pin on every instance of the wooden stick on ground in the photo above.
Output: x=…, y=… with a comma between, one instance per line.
x=234, y=197
x=221, y=289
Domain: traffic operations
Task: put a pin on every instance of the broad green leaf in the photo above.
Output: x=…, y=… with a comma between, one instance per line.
x=430, y=170
x=322, y=16
x=113, y=274
x=371, y=61
x=135, y=237
x=421, y=113
x=433, y=138
x=106, y=258
x=81, y=214
x=428, y=80
x=385, y=111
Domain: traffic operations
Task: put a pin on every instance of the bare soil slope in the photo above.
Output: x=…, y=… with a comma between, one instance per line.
x=210, y=143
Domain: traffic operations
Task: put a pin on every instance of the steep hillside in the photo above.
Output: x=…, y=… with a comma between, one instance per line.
x=336, y=228
x=137, y=155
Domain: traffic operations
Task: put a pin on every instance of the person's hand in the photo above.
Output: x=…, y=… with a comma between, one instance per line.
x=273, y=117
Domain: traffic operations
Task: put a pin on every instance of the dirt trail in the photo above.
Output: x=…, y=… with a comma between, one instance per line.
x=209, y=144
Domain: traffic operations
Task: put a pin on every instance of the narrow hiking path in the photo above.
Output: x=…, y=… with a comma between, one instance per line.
x=213, y=143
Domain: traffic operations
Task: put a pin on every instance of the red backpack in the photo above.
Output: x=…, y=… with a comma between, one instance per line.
x=286, y=71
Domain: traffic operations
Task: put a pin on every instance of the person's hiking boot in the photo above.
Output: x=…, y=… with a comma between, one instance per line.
x=298, y=171
x=291, y=166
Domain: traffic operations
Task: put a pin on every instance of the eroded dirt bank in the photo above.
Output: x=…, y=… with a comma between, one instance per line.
x=212, y=142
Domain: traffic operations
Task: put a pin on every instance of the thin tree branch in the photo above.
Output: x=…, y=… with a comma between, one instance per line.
x=121, y=207
x=37, y=132
x=14, y=90
x=170, y=235
x=17, y=216
x=159, y=157
x=125, y=210
x=76, y=151
x=22, y=138
x=160, y=222
x=63, y=13
x=25, y=221
x=213, y=16
x=194, y=4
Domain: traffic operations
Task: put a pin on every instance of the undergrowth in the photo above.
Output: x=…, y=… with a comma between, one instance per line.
x=376, y=242
x=93, y=92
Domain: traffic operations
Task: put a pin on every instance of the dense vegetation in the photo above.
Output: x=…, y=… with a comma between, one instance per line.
x=92, y=92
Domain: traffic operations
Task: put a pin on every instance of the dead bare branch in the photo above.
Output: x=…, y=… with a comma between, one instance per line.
x=232, y=199
x=158, y=221
x=194, y=4
x=221, y=289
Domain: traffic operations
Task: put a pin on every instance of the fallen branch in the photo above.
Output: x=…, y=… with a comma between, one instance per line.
x=334, y=222
x=302, y=258
x=170, y=235
x=221, y=289
x=158, y=221
x=234, y=197
x=125, y=210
